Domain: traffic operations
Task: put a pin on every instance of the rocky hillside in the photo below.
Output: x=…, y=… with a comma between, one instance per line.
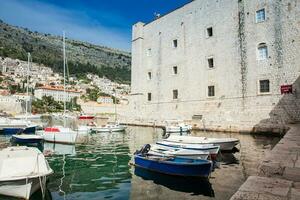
x=82, y=57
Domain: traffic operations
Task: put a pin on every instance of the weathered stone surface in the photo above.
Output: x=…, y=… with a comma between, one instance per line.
x=292, y=173
x=295, y=194
x=270, y=197
x=270, y=169
x=296, y=185
x=244, y=196
x=281, y=168
x=264, y=185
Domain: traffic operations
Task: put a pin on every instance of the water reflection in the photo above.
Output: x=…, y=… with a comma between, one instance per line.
x=101, y=165
x=195, y=186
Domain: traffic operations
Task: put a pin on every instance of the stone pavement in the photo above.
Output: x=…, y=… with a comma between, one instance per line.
x=279, y=172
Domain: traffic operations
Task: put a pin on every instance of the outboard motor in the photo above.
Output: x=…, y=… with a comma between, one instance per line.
x=144, y=150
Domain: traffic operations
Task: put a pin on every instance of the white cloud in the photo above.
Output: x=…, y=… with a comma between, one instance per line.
x=47, y=18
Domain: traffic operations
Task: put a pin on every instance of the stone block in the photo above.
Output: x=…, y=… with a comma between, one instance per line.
x=244, y=196
x=270, y=169
x=292, y=173
x=297, y=185
x=264, y=185
x=295, y=194
x=270, y=197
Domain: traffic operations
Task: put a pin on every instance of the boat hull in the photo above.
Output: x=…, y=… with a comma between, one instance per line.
x=212, y=150
x=226, y=144
x=18, y=140
x=20, y=188
x=104, y=129
x=13, y=130
x=195, y=156
x=177, y=130
x=64, y=138
x=171, y=168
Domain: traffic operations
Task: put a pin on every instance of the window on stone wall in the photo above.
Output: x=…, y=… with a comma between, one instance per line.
x=175, y=70
x=175, y=94
x=209, y=32
x=211, y=91
x=210, y=62
x=149, y=96
x=175, y=43
x=149, y=75
x=149, y=52
x=264, y=86
x=262, y=51
x=260, y=15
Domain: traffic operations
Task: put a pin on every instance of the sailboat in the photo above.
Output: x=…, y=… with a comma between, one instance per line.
x=63, y=134
x=21, y=125
x=110, y=127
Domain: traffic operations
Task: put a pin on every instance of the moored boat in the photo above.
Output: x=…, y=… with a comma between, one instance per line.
x=159, y=150
x=174, y=165
x=224, y=143
x=174, y=126
x=116, y=127
x=23, y=170
x=213, y=150
x=14, y=126
x=63, y=135
x=27, y=139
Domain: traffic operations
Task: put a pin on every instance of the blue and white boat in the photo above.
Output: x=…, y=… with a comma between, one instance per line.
x=14, y=126
x=174, y=165
x=27, y=139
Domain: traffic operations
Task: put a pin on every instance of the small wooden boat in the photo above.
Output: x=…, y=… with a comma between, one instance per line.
x=174, y=165
x=159, y=150
x=27, y=139
x=23, y=170
x=213, y=150
x=224, y=143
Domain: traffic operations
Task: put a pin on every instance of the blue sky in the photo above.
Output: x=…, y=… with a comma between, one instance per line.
x=103, y=22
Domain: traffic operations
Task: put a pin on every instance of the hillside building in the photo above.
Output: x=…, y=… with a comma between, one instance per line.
x=57, y=93
x=223, y=64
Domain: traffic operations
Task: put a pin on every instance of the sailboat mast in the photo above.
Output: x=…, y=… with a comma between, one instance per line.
x=64, y=55
x=115, y=103
x=27, y=85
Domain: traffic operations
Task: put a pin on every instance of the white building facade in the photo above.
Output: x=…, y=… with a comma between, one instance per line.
x=57, y=93
x=236, y=64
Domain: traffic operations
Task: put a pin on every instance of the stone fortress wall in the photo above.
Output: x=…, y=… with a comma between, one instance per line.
x=238, y=103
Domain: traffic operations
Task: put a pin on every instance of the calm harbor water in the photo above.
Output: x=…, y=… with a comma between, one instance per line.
x=101, y=169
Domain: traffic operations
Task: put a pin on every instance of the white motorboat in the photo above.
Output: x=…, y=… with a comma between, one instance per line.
x=224, y=143
x=63, y=135
x=210, y=148
x=109, y=128
x=160, y=150
x=176, y=127
x=13, y=123
x=23, y=170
